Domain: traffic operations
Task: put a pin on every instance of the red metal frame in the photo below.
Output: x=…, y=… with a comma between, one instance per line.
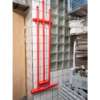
x=39, y=83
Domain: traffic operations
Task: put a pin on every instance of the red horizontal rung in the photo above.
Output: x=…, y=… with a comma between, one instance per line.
x=43, y=88
x=47, y=22
x=50, y=21
x=51, y=86
x=37, y=90
x=40, y=20
x=34, y=19
x=43, y=82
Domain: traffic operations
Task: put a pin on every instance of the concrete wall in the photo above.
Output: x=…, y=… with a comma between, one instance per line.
x=20, y=1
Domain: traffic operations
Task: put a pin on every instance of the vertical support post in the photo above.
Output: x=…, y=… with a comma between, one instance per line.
x=37, y=47
x=49, y=44
x=43, y=40
x=74, y=54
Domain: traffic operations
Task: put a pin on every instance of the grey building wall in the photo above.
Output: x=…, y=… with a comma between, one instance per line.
x=20, y=1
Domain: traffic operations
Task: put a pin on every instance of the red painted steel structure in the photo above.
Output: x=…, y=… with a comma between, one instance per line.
x=39, y=83
x=43, y=40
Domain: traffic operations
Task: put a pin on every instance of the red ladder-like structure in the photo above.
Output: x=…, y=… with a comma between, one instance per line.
x=40, y=83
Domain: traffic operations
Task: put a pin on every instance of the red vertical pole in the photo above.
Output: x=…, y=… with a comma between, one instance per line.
x=43, y=40
x=49, y=44
x=37, y=47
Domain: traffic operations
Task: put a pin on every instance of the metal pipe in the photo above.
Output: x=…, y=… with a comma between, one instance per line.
x=37, y=47
x=43, y=40
x=49, y=44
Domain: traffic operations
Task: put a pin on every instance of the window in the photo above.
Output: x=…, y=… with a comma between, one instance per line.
x=61, y=44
